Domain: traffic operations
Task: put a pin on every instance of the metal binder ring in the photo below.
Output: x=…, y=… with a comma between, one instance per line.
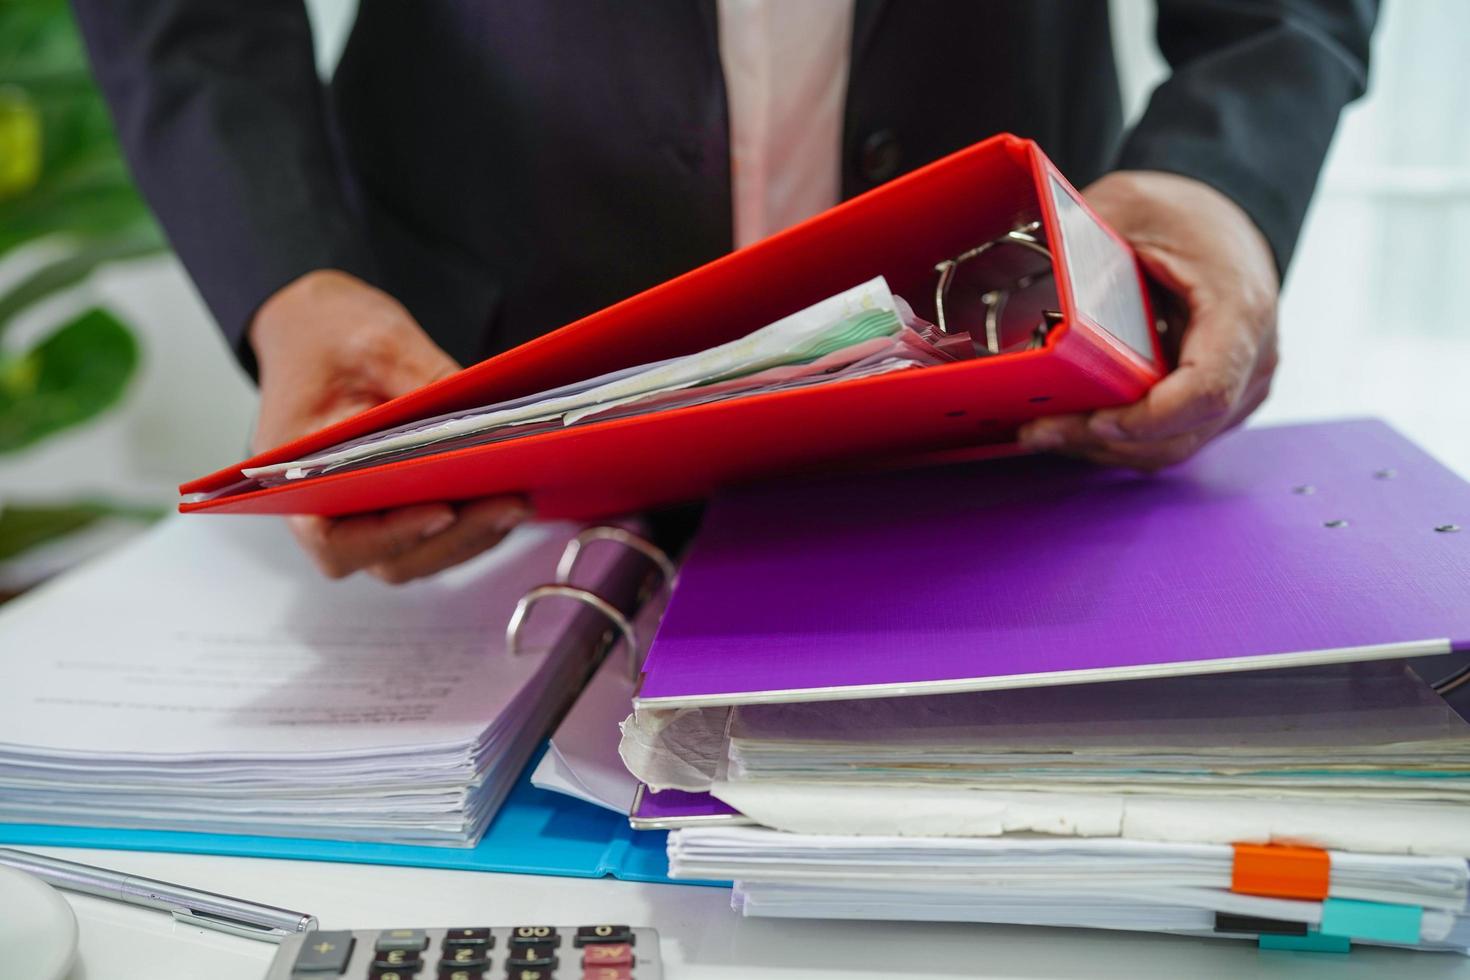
x=587, y=598
x=644, y=547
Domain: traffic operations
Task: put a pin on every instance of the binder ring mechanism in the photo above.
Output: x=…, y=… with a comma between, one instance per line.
x=562, y=588
x=1002, y=293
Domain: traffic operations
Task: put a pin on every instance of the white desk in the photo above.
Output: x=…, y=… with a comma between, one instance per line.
x=702, y=938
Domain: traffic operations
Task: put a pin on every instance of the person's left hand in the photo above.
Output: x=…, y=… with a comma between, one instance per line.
x=1201, y=248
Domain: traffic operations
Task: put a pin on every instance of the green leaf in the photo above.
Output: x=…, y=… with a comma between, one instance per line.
x=82, y=187
x=74, y=266
x=68, y=378
x=20, y=142
x=23, y=526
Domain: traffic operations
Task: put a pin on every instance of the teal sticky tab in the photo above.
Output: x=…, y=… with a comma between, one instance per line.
x=1371, y=920
x=1312, y=942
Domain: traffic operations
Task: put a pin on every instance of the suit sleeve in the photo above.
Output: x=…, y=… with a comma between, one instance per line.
x=1253, y=100
x=222, y=118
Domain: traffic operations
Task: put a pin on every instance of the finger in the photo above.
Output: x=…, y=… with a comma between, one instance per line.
x=1157, y=454
x=480, y=526
x=341, y=546
x=1057, y=434
x=1216, y=362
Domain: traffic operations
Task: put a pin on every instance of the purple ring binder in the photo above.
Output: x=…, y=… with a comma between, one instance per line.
x=1047, y=571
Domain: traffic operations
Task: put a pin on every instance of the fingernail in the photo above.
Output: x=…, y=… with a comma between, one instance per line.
x=1106, y=428
x=439, y=522
x=1041, y=438
x=513, y=514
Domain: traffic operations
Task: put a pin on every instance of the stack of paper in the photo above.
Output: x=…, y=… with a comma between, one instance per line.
x=207, y=678
x=1035, y=880
x=862, y=332
x=1364, y=757
x=1106, y=805
x=1372, y=731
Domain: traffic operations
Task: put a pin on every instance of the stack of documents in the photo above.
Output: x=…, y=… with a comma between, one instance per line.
x=1371, y=731
x=206, y=678
x=1034, y=880
x=1363, y=757
x=862, y=332
x=979, y=693
x=1118, y=806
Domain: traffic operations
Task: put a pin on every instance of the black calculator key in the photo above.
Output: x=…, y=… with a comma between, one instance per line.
x=406, y=960
x=482, y=937
x=539, y=935
x=324, y=952
x=461, y=973
x=603, y=934
x=543, y=956
x=530, y=973
x=465, y=956
x=415, y=939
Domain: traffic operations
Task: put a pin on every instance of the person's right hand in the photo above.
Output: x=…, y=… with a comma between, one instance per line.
x=329, y=346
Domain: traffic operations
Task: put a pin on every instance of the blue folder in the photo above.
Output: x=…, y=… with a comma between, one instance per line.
x=535, y=832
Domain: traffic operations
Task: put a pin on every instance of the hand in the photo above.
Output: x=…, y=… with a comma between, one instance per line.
x=1201, y=248
x=329, y=346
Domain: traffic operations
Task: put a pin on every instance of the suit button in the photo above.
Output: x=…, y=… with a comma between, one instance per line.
x=880, y=157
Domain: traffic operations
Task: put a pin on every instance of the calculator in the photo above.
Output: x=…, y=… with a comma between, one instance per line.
x=595, y=952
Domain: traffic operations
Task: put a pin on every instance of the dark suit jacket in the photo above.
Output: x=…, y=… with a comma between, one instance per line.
x=504, y=167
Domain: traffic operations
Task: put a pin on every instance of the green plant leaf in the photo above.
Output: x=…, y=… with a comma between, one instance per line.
x=74, y=266
x=23, y=526
x=68, y=378
x=82, y=187
x=20, y=142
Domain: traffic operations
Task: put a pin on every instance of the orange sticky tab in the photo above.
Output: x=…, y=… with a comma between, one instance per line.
x=1277, y=871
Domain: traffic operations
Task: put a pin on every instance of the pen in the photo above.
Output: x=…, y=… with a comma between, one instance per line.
x=190, y=905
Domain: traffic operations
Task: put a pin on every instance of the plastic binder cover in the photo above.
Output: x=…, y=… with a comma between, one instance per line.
x=536, y=832
x=1274, y=547
x=1102, y=353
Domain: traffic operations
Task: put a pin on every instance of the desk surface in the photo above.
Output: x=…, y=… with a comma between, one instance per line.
x=702, y=938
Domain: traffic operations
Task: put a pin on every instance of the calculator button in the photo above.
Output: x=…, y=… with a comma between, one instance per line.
x=530, y=973
x=465, y=957
x=324, y=952
x=455, y=938
x=531, y=956
x=608, y=954
x=539, y=935
x=461, y=973
x=376, y=974
x=603, y=934
x=608, y=973
x=406, y=960
x=415, y=939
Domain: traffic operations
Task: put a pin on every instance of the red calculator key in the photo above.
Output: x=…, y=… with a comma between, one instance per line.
x=607, y=954
x=607, y=973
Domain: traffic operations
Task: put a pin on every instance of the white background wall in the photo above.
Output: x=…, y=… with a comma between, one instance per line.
x=1373, y=318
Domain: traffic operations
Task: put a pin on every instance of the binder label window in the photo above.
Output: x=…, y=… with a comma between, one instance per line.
x=1104, y=275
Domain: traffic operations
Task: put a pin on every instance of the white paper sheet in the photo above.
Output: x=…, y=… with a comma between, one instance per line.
x=1031, y=862
x=207, y=678
x=1439, y=931
x=937, y=811
x=214, y=638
